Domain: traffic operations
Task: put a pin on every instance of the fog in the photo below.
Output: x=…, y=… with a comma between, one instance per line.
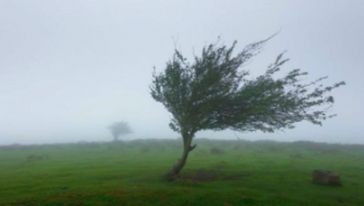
x=70, y=68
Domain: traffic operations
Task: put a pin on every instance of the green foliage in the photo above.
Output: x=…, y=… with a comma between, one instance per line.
x=214, y=93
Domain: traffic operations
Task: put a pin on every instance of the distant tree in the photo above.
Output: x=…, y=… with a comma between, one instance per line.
x=118, y=129
x=211, y=93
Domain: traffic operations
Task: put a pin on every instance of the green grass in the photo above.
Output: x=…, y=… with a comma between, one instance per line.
x=246, y=173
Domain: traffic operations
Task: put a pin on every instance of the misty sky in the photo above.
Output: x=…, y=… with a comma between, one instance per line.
x=69, y=68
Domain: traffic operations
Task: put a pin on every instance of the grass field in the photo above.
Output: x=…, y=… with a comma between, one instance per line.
x=217, y=173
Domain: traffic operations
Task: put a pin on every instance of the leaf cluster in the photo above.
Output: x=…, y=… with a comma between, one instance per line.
x=214, y=92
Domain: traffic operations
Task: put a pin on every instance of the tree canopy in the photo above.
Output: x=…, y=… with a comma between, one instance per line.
x=214, y=92
x=118, y=129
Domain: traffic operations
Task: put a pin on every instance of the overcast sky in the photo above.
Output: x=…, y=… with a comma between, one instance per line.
x=70, y=68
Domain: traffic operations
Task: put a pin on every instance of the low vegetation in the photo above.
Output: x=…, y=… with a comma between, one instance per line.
x=129, y=173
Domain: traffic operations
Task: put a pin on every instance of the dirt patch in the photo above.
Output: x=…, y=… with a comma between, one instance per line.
x=220, y=165
x=209, y=175
x=201, y=175
x=235, y=176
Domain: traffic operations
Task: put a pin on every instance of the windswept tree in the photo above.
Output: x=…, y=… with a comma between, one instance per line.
x=118, y=129
x=213, y=93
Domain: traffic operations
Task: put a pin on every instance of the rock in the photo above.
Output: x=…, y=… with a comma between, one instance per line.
x=325, y=177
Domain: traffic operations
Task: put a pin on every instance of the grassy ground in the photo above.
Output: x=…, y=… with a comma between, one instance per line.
x=217, y=173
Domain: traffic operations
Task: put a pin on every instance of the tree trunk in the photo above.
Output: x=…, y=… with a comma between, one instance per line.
x=176, y=169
